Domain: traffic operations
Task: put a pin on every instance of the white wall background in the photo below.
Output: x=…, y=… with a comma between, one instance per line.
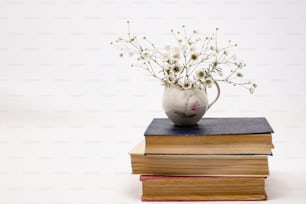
x=70, y=109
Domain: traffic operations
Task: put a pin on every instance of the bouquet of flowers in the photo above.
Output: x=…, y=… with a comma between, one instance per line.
x=195, y=60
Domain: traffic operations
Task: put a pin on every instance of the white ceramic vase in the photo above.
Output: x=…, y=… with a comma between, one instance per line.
x=185, y=107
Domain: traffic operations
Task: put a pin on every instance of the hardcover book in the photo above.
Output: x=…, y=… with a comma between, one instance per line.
x=201, y=188
x=208, y=165
x=210, y=136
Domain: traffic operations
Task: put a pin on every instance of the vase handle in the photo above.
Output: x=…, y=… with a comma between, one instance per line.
x=218, y=94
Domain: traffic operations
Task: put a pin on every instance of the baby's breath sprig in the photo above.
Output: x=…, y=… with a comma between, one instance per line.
x=195, y=60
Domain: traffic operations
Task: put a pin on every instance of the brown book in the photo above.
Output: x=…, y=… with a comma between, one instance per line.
x=208, y=165
x=210, y=136
x=199, y=188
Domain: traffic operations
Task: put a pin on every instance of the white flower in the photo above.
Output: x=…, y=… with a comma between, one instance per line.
x=176, y=68
x=200, y=74
x=171, y=79
x=194, y=56
x=208, y=82
x=175, y=52
x=180, y=40
x=145, y=54
x=239, y=74
x=187, y=84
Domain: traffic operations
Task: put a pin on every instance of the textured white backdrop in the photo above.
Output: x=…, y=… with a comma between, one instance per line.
x=70, y=109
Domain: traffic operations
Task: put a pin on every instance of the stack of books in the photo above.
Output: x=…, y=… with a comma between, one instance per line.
x=218, y=159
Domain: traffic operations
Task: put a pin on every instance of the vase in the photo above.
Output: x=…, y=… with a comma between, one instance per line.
x=186, y=107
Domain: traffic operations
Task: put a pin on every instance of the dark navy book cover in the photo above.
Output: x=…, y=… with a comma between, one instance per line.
x=210, y=126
